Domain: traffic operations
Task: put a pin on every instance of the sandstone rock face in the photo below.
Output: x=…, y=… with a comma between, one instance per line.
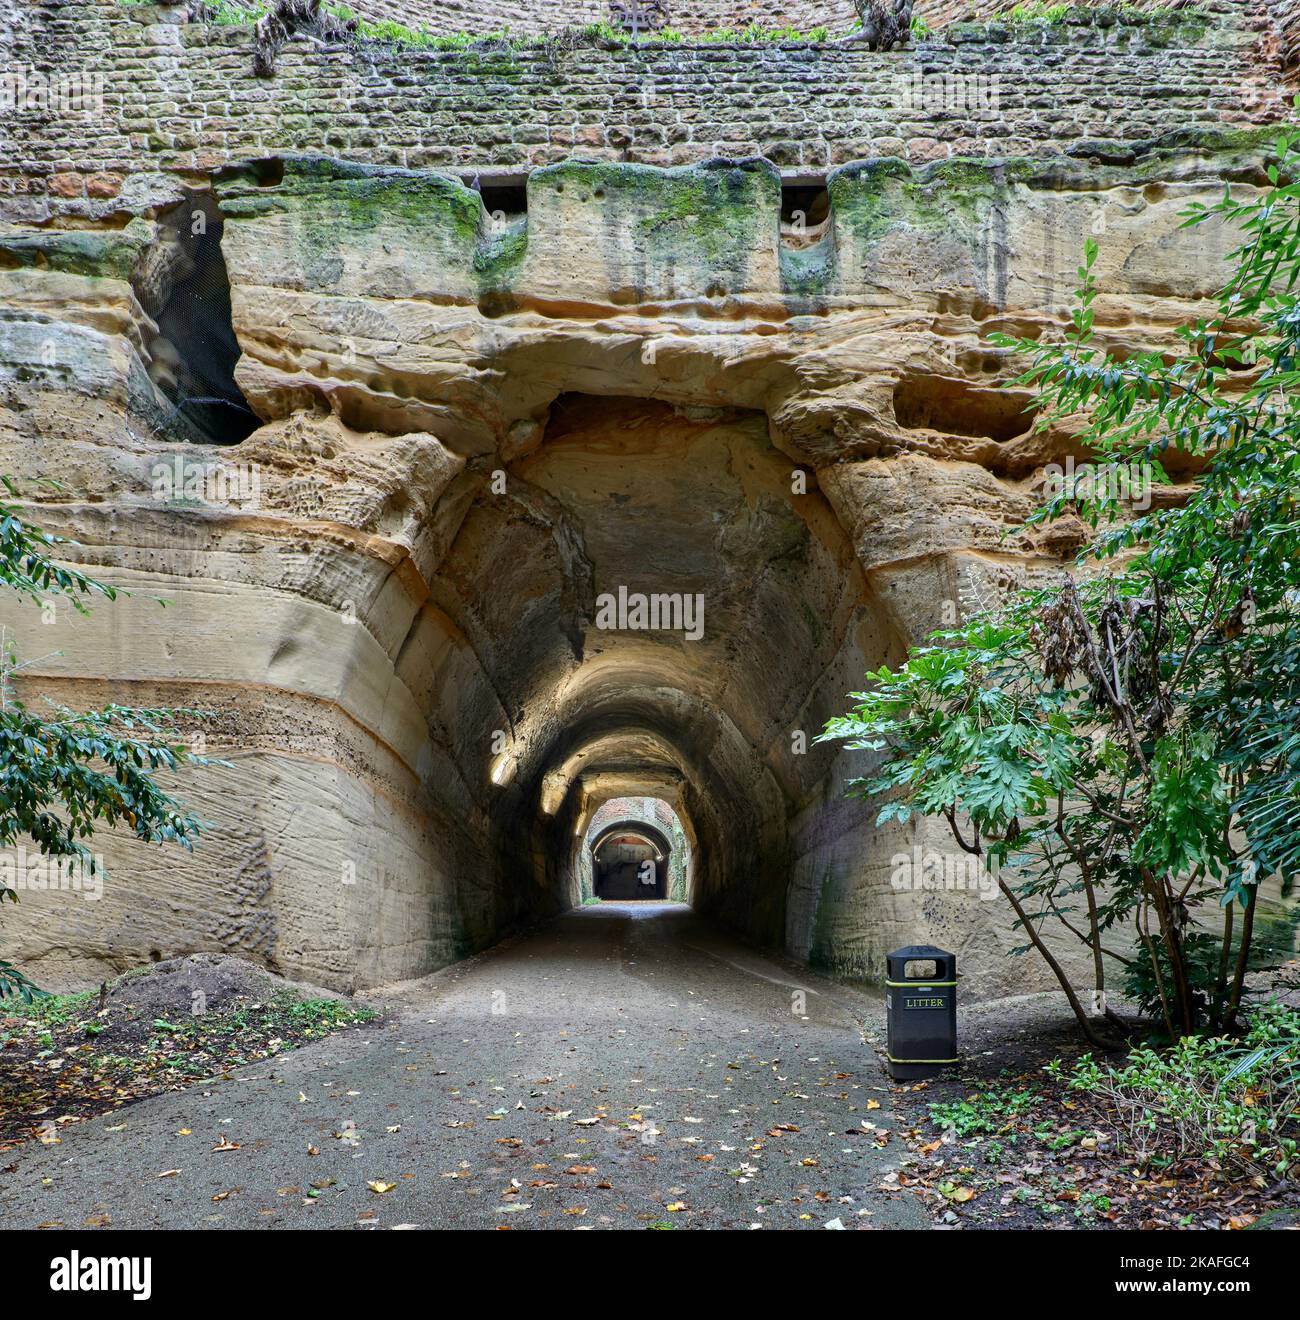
x=455, y=454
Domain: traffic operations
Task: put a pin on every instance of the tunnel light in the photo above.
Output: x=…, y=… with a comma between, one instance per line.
x=503, y=769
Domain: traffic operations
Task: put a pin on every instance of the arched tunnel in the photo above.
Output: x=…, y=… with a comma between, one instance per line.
x=755, y=621
x=525, y=532
x=630, y=859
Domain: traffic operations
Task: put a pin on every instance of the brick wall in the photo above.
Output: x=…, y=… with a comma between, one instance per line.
x=691, y=17
x=1286, y=18
x=182, y=97
x=652, y=811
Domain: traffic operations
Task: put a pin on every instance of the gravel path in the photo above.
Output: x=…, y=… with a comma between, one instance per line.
x=474, y=1102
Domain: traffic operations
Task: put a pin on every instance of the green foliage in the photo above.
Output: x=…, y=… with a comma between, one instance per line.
x=13, y=984
x=1129, y=740
x=56, y=1010
x=985, y=1112
x=1233, y=1102
x=233, y=13
x=242, y=13
x=920, y=29
x=1202, y=954
x=1272, y=943
x=61, y=778
x=1042, y=13
x=26, y=566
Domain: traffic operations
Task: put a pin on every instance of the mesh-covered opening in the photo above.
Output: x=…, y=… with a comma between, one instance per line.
x=195, y=352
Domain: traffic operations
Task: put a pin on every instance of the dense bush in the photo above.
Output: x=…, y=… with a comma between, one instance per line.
x=1235, y=1102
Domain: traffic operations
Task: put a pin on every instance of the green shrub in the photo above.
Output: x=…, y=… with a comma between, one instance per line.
x=984, y=1112
x=1028, y=13
x=1232, y=1102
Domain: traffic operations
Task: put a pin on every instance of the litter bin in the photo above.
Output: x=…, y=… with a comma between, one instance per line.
x=921, y=1011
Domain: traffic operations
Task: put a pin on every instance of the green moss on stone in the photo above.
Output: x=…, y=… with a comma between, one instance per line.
x=708, y=215
x=807, y=274
x=108, y=254
x=870, y=198
x=327, y=195
x=501, y=255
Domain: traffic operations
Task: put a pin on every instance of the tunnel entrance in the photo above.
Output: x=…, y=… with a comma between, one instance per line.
x=635, y=848
x=647, y=592
x=630, y=860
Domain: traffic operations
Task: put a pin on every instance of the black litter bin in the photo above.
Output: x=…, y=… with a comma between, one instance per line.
x=921, y=1011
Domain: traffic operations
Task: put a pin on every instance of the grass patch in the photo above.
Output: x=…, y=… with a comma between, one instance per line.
x=63, y=1059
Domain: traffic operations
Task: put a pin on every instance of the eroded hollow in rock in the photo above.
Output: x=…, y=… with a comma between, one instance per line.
x=955, y=407
x=805, y=213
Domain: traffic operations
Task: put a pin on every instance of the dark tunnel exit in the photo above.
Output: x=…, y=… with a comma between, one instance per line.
x=629, y=860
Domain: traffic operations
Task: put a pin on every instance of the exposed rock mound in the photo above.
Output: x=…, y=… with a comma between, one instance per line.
x=200, y=982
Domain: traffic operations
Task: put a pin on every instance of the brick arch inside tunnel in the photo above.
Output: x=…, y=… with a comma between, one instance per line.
x=629, y=859
x=656, y=819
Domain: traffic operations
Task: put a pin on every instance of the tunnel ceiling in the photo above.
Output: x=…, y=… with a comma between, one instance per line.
x=634, y=495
